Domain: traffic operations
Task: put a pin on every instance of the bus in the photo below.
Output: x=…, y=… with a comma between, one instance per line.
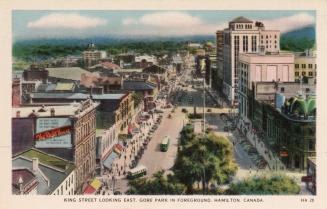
x=137, y=172
x=164, y=144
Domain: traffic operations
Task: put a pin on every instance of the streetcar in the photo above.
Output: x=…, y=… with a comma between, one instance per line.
x=164, y=145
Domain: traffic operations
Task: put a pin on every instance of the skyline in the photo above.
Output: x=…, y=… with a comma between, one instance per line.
x=85, y=24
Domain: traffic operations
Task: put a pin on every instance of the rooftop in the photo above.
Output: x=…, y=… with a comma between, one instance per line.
x=76, y=96
x=48, y=177
x=134, y=85
x=45, y=111
x=69, y=73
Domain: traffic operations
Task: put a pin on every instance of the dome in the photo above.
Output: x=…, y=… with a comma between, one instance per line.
x=301, y=106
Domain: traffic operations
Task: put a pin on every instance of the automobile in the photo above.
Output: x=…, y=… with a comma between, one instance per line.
x=184, y=110
x=226, y=128
x=209, y=110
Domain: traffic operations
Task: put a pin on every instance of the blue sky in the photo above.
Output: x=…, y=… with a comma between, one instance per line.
x=82, y=24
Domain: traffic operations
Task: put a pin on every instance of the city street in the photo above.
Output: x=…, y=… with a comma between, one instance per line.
x=153, y=158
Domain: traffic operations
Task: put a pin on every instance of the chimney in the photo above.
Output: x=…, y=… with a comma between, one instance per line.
x=35, y=166
x=52, y=111
x=18, y=114
x=20, y=184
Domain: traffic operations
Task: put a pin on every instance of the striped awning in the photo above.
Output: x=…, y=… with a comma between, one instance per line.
x=89, y=190
x=96, y=184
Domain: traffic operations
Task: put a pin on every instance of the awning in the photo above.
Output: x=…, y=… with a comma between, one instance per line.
x=89, y=190
x=116, y=150
x=110, y=159
x=96, y=184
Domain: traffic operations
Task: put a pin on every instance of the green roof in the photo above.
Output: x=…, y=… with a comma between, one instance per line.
x=48, y=159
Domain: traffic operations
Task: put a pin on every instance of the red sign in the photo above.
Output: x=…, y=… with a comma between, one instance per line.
x=306, y=179
x=52, y=133
x=283, y=153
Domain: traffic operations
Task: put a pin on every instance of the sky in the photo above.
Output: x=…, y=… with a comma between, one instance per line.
x=30, y=24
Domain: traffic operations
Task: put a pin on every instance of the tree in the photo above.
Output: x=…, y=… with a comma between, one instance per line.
x=157, y=185
x=206, y=159
x=267, y=185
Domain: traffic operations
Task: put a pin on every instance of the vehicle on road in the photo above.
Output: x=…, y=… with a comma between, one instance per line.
x=164, y=145
x=137, y=172
x=169, y=116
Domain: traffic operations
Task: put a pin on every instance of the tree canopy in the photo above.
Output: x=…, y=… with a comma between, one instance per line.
x=206, y=159
x=157, y=185
x=265, y=185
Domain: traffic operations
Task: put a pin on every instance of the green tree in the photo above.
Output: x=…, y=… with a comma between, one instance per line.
x=206, y=159
x=265, y=185
x=157, y=185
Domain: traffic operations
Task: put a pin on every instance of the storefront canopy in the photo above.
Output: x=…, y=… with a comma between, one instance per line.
x=89, y=190
x=110, y=159
x=96, y=184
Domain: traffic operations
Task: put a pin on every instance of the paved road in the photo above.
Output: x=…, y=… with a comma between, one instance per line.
x=153, y=158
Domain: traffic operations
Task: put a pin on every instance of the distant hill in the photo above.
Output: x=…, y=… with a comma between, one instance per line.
x=113, y=40
x=307, y=32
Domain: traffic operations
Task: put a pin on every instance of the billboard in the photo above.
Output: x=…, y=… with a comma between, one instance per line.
x=53, y=133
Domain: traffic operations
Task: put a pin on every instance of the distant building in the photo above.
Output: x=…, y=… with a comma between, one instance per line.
x=67, y=131
x=36, y=172
x=305, y=65
x=104, y=67
x=36, y=73
x=242, y=36
x=92, y=56
x=66, y=74
x=158, y=70
x=143, y=61
x=255, y=67
x=107, y=81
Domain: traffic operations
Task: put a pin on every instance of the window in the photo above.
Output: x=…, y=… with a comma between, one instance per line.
x=266, y=36
x=310, y=73
x=282, y=89
x=315, y=66
x=275, y=36
x=310, y=66
x=304, y=73
x=304, y=66
x=307, y=90
x=296, y=73
x=261, y=36
x=297, y=66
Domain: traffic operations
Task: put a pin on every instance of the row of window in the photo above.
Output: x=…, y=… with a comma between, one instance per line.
x=246, y=26
x=304, y=73
x=297, y=66
x=268, y=36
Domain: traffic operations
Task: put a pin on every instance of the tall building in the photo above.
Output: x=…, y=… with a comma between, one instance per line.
x=218, y=72
x=255, y=67
x=67, y=131
x=305, y=65
x=242, y=36
x=92, y=56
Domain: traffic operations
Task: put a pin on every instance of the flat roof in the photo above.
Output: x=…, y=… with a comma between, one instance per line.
x=82, y=96
x=44, y=111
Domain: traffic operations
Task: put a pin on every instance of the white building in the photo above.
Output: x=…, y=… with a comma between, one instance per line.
x=243, y=36
x=256, y=67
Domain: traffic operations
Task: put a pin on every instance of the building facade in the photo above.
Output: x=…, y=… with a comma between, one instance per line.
x=243, y=36
x=67, y=131
x=305, y=65
x=255, y=67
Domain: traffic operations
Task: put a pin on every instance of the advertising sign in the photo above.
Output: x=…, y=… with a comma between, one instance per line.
x=53, y=133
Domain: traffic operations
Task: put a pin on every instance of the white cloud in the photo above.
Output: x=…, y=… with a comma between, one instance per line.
x=71, y=20
x=165, y=19
x=290, y=23
x=169, y=23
